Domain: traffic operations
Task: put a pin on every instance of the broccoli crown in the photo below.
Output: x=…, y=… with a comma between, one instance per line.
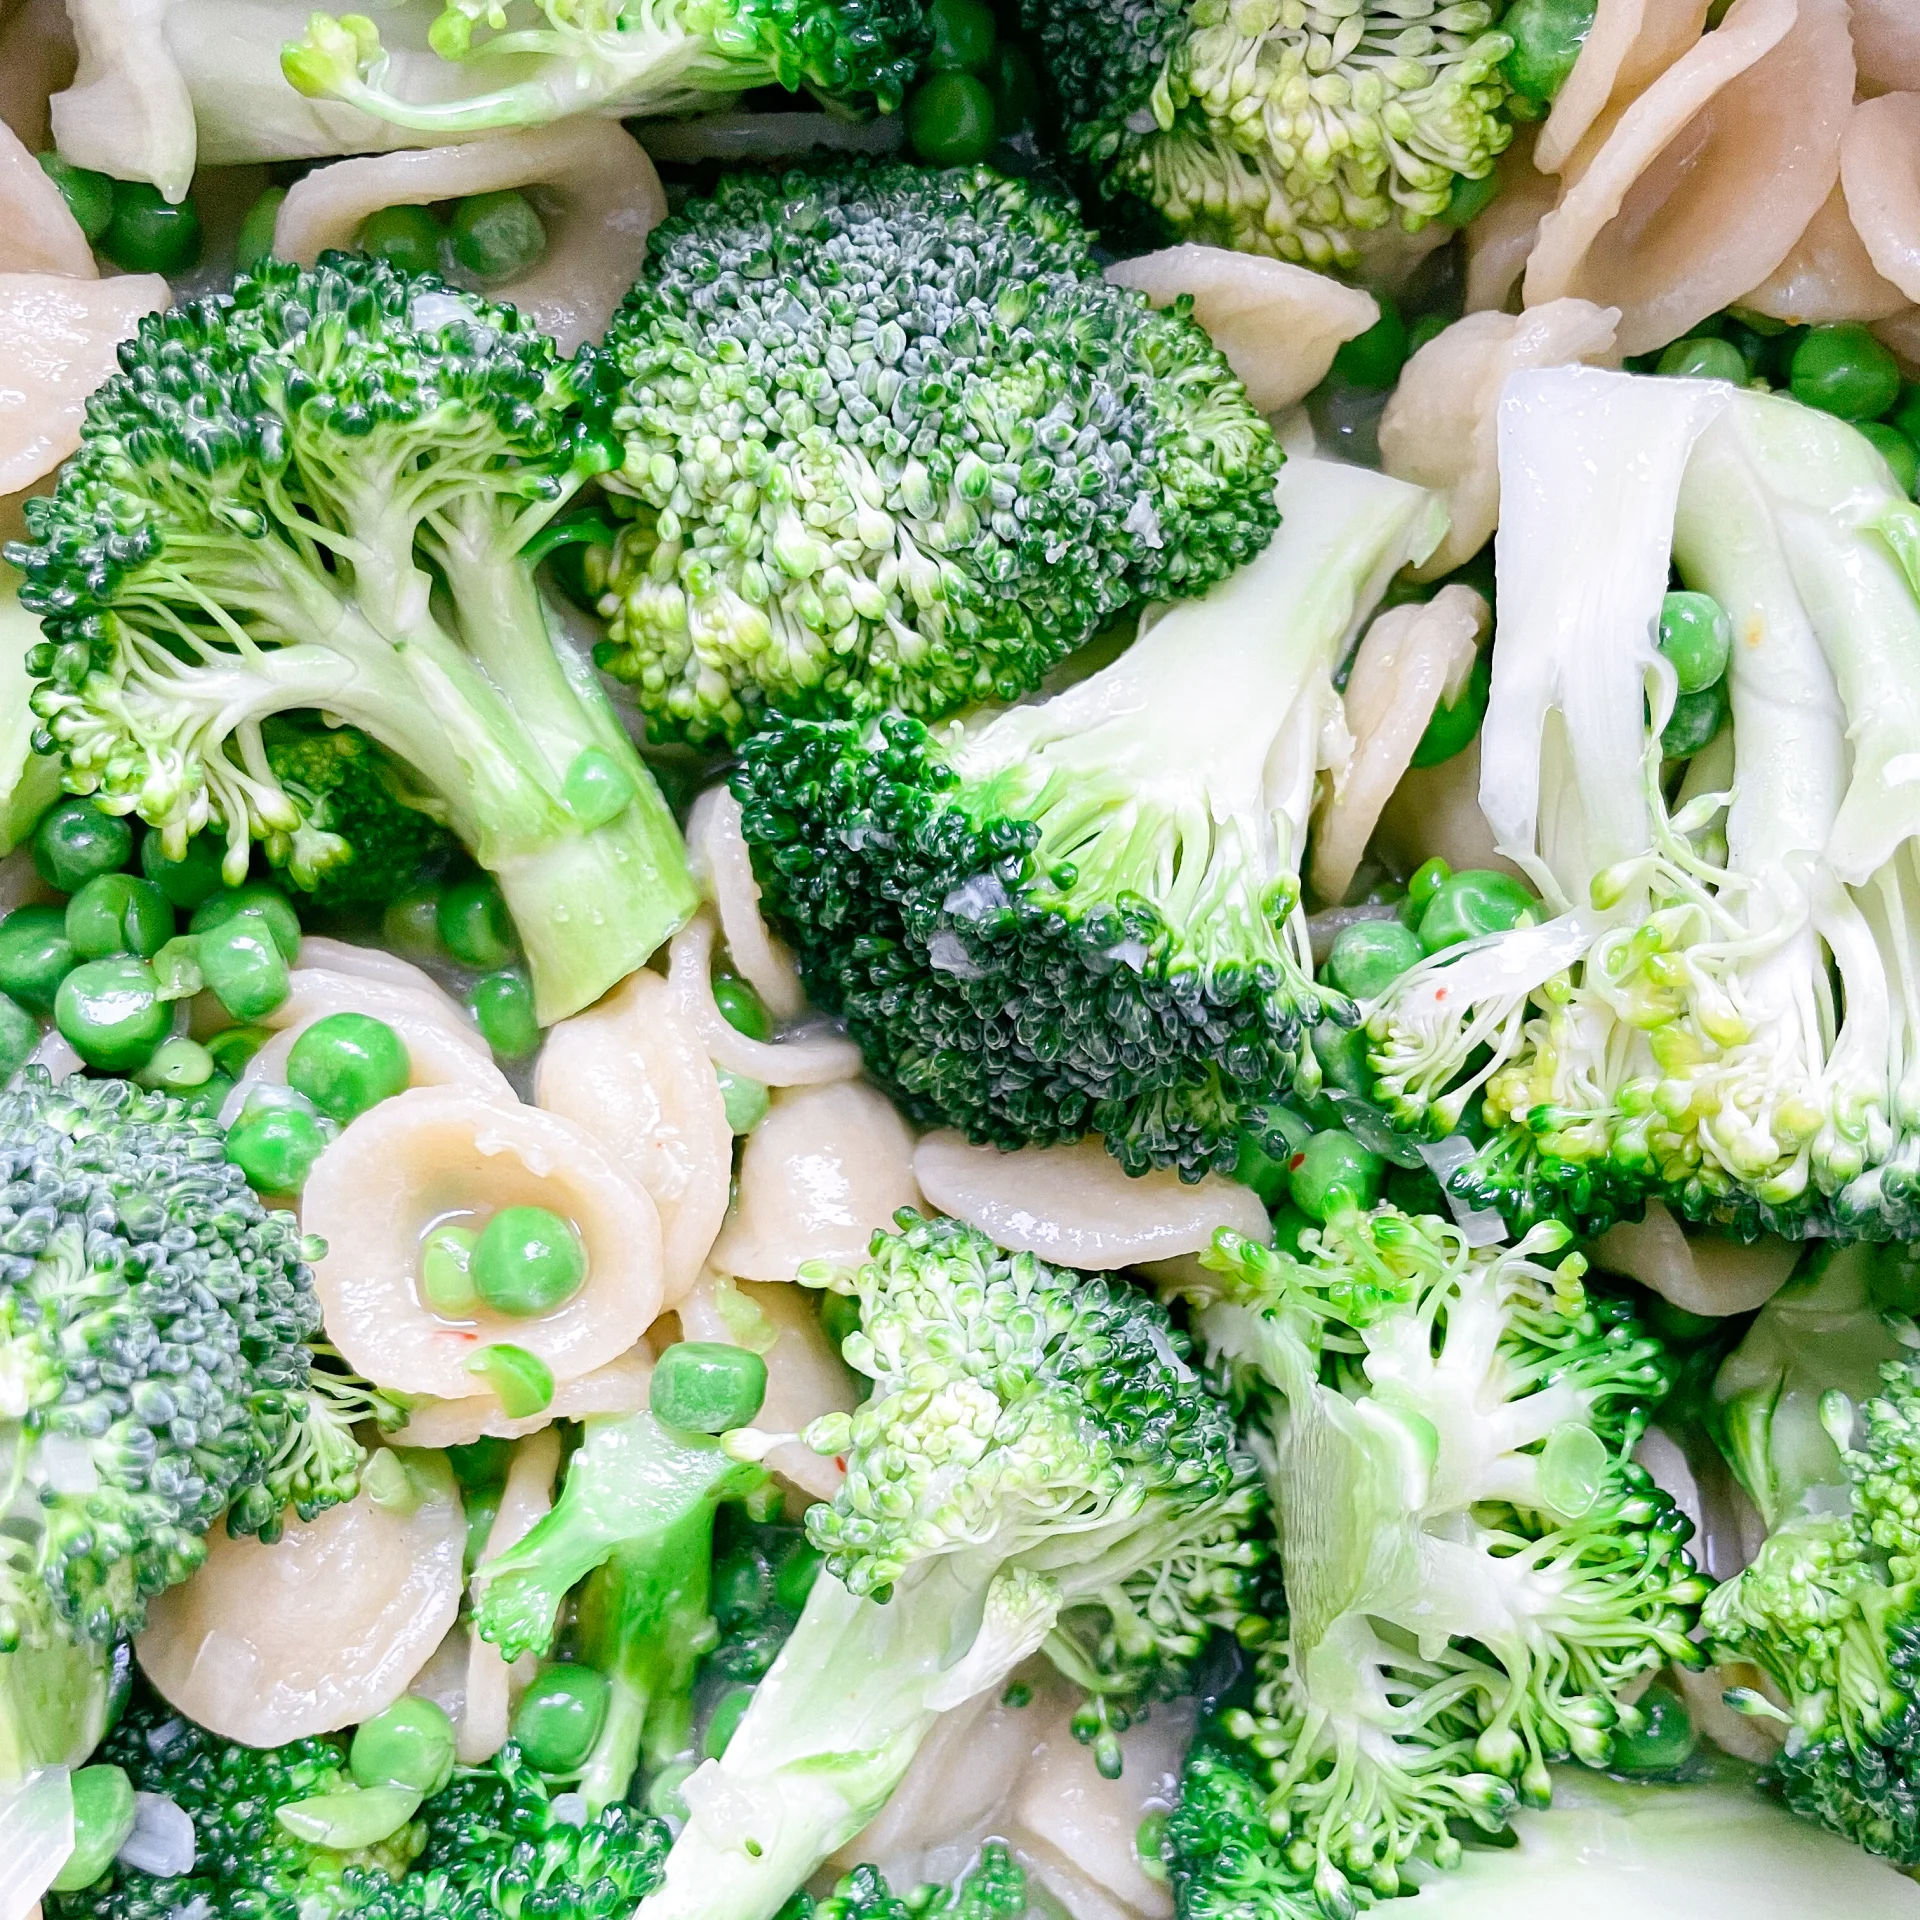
x=1475, y=1567
x=1289, y=130
x=318, y=494
x=152, y=1325
x=1829, y=1611
x=363, y=840
x=892, y=441
x=1225, y=1856
x=993, y=1888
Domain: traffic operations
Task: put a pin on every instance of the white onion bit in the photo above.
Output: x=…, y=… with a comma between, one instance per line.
x=162, y=1841
x=1479, y=1226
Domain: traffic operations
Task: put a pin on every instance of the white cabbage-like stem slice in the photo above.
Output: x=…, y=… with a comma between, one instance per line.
x=621, y=1386
x=632, y=1071
x=321, y=1630
x=1075, y=1206
x=437, y=1155
x=717, y=847
x=824, y=1172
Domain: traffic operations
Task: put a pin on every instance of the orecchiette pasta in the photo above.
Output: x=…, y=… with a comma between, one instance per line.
x=320, y=1630
x=1701, y=188
x=594, y=188
x=376, y=963
x=633, y=1071
x=1630, y=44
x=1700, y=1273
x=1436, y=810
x=38, y=233
x=621, y=1386
x=1500, y=240
x=1278, y=324
x=1438, y=429
x=1886, y=45
x=1074, y=1206
x=725, y=870
x=1830, y=274
x=1880, y=172
x=821, y=1174
x=442, y=1153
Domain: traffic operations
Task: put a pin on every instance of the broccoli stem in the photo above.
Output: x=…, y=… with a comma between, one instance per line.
x=53, y=1705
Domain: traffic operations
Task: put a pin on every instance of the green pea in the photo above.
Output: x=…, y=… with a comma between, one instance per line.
x=528, y=1261
x=741, y=1008
x=1269, y=1138
x=1472, y=903
x=665, y=1801
x=730, y=1710
x=1150, y=1848
x=148, y=233
x=242, y=966
x=496, y=235
x=179, y=1065
x=347, y=1063
x=1428, y=878
x=405, y=237
x=1467, y=200
x=35, y=955
x=502, y=1008
x=475, y=926
x=597, y=788
x=115, y=913
x=964, y=33
x=412, y=926
x=1703, y=359
x=1334, y=1172
x=103, y=1816
x=446, y=1272
x=209, y=1098
x=410, y=1744
x=1665, y=1740
x=269, y=903
x=1368, y=956
x=191, y=880
x=1289, y=1224
x=89, y=195
x=1452, y=729
x=560, y=1716
x=1547, y=37
x=1342, y=1054
x=794, y=1577
x=747, y=1102
x=19, y=1035
x=1899, y=452
x=233, y=1047
x=75, y=840
x=1905, y=416
x=255, y=241
x=839, y=1318
x=1017, y=95
x=111, y=1014
x=705, y=1386
x=1696, y=718
x=1843, y=369
x=275, y=1147
x=1696, y=637
x=521, y=1381
x=950, y=120
x=1374, y=358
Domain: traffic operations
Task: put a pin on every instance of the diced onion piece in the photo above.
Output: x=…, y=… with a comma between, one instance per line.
x=162, y=1842
x=724, y=868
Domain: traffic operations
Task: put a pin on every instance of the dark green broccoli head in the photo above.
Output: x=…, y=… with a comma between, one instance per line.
x=1227, y=1860
x=892, y=441
x=352, y=796
x=153, y=1319
x=993, y=1888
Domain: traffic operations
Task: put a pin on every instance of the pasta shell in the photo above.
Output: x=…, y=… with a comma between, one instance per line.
x=38, y=233
x=1630, y=45
x=633, y=1072
x=1880, y=173
x=376, y=963
x=621, y=1386
x=128, y=113
x=321, y=1630
x=1699, y=1273
x=435, y=1153
x=1830, y=274
x=724, y=869
x=1886, y=45
x=1700, y=190
x=1499, y=242
x=1436, y=811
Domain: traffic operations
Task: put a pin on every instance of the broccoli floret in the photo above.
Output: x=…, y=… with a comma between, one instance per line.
x=1035, y=1444
x=1289, y=130
x=1083, y=915
x=1226, y=1859
x=1475, y=1568
x=379, y=845
x=635, y=1523
x=891, y=441
x=993, y=1888
x=29, y=781
x=618, y=57
x=320, y=493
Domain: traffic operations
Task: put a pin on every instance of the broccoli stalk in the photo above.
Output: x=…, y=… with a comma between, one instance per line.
x=323, y=494
x=1035, y=1443
x=636, y=1514
x=1082, y=915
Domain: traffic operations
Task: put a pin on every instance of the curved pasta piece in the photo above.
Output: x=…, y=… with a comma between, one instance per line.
x=1075, y=1206
x=1886, y=45
x=824, y=1172
x=1630, y=44
x=1701, y=189
x=800, y=1060
x=1902, y=334
x=1436, y=810
x=1278, y=324
x=438, y=1153
x=594, y=188
x=128, y=112
x=724, y=869
x=632, y=1072
x=370, y=985
x=1412, y=657
x=375, y=963
x=38, y=233
x=487, y=1700
x=59, y=338
x=1500, y=240
x=1699, y=1273
x=621, y=1386
x=1830, y=274
x=323, y=1629
x=1880, y=175
x=1438, y=428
